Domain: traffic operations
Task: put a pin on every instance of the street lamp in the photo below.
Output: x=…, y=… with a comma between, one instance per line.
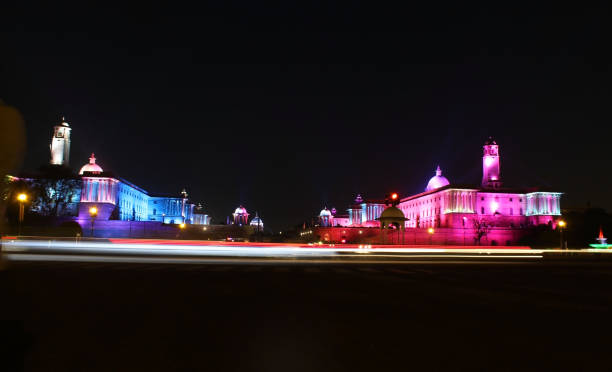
x=21, y=198
x=561, y=225
x=431, y=232
x=93, y=212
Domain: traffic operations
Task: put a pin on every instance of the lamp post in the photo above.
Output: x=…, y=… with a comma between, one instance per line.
x=431, y=232
x=21, y=198
x=561, y=225
x=93, y=212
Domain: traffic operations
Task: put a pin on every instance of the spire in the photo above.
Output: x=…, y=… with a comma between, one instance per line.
x=438, y=171
x=184, y=193
x=358, y=199
x=92, y=159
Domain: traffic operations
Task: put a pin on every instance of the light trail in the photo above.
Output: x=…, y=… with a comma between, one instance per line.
x=173, y=251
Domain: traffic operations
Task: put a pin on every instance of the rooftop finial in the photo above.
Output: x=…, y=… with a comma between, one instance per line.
x=438, y=171
x=92, y=159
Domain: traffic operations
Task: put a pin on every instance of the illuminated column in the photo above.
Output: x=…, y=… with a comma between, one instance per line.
x=490, y=165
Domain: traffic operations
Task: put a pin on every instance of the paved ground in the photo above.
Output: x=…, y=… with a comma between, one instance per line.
x=283, y=317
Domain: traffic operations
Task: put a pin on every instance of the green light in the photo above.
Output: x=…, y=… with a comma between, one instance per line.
x=601, y=246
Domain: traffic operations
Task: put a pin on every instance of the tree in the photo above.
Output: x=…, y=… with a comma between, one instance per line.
x=481, y=229
x=52, y=193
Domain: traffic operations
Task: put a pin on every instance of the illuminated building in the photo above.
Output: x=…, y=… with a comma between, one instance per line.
x=60, y=144
x=200, y=217
x=114, y=197
x=257, y=223
x=459, y=207
x=241, y=216
x=119, y=199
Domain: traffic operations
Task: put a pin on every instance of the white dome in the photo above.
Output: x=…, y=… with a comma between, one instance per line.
x=240, y=210
x=256, y=222
x=325, y=212
x=437, y=181
x=91, y=166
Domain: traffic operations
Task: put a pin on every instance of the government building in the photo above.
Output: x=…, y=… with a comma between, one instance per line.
x=114, y=197
x=453, y=211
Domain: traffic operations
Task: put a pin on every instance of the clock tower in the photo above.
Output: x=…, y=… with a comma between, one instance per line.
x=60, y=144
x=490, y=165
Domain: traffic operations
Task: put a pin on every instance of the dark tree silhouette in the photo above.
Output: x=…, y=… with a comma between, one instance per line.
x=481, y=229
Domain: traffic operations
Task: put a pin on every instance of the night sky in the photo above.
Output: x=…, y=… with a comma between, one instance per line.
x=288, y=109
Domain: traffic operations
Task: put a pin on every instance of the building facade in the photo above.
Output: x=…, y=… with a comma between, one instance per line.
x=460, y=207
x=114, y=197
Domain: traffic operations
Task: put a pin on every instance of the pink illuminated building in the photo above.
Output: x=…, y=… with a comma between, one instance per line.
x=455, y=208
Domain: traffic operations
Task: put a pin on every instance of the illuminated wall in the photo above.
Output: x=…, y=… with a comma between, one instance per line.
x=99, y=190
x=543, y=203
x=172, y=210
x=201, y=219
x=133, y=203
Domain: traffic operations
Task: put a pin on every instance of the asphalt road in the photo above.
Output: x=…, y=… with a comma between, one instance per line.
x=306, y=316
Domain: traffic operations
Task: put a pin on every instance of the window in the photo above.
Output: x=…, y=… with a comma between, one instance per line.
x=510, y=199
x=520, y=200
x=482, y=198
x=521, y=211
x=511, y=212
x=481, y=210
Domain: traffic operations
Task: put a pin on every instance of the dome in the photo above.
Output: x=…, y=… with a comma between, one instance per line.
x=240, y=210
x=64, y=123
x=490, y=141
x=256, y=222
x=392, y=212
x=325, y=212
x=437, y=181
x=91, y=167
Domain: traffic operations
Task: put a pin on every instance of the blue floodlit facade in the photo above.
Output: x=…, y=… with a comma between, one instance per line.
x=116, y=198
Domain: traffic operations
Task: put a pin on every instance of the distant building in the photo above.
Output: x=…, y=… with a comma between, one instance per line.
x=241, y=217
x=257, y=223
x=460, y=207
x=114, y=197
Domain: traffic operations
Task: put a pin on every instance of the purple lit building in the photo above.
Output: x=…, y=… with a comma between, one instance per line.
x=456, y=208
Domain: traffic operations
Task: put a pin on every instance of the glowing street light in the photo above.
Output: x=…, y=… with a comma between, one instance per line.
x=21, y=198
x=561, y=224
x=93, y=212
x=431, y=232
x=182, y=225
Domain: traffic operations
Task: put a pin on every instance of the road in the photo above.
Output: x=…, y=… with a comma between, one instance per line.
x=302, y=314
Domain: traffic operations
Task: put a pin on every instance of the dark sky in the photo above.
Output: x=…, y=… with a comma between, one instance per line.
x=287, y=108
